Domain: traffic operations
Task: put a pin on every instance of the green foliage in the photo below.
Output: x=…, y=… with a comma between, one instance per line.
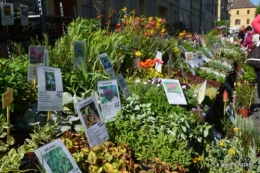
x=104, y=158
x=257, y=10
x=4, y=145
x=249, y=74
x=13, y=74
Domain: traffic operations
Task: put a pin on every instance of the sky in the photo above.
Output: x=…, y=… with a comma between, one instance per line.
x=255, y=2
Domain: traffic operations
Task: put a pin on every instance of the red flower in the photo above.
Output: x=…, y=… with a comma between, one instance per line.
x=158, y=60
x=118, y=25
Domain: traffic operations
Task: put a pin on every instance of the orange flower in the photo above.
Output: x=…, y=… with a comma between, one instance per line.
x=225, y=96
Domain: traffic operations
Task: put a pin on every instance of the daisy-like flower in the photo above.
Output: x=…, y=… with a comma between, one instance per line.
x=236, y=129
x=231, y=151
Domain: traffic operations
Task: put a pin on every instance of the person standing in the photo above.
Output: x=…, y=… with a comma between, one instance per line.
x=256, y=25
x=241, y=34
x=248, y=40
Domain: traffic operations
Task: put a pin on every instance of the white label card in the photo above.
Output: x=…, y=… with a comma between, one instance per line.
x=55, y=157
x=110, y=99
x=92, y=121
x=174, y=92
x=7, y=13
x=123, y=86
x=158, y=66
x=107, y=65
x=50, y=89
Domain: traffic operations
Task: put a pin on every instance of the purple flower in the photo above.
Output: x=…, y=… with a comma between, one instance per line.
x=193, y=109
x=203, y=114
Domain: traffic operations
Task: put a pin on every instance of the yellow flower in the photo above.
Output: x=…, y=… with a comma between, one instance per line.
x=150, y=18
x=221, y=143
x=194, y=160
x=159, y=20
x=137, y=53
x=163, y=30
x=231, y=151
x=133, y=11
x=124, y=9
x=236, y=129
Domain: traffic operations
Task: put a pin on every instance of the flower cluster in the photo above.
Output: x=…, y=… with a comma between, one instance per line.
x=185, y=34
x=200, y=110
x=149, y=63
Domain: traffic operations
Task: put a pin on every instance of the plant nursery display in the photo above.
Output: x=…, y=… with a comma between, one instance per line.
x=129, y=99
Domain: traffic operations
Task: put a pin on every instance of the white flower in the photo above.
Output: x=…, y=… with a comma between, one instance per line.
x=145, y=83
x=137, y=81
x=183, y=87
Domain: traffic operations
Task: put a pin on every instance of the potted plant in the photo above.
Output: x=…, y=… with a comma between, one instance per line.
x=244, y=92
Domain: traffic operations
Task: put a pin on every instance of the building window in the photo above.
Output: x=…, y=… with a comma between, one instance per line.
x=248, y=11
x=247, y=21
x=237, y=11
x=237, y=22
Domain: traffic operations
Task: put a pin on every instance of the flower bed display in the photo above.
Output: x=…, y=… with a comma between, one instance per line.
x=148, y=134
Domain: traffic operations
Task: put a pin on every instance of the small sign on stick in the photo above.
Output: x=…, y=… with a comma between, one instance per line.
x=7, y=98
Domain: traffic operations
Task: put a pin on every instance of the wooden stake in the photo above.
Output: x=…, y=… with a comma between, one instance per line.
x=8, y=121
x=48, y=115
x=34, y=82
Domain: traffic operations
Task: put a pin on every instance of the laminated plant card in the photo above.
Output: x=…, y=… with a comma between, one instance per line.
x=79, y=54
x=136, y=60
x=92, y=121
x=191, y=59
x=202, y=92
x=174, y=92
x=55, y=158
x=205, y=58
x=200, y=58
x=36, y=57
x=7, y=14
x=110, y=99
x=24, y=14
x=107, y=65
x=230, y=114
x=158, y=66
x=137, y=39
x=202, y=41
x=216, y=48
x=123, y=86
x=50, y=89
x=209, y=52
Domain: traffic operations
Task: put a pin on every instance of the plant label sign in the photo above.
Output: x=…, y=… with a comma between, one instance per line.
x=158, y=66
x=7, y=14
x=107, y=65
x=110, y=99
x=202, y=41
x=24, y=14
x=174, y=92
x=50, y=89
x=205, y=58
x=36, y=57
x=200, y=58
x=202, y=92
x=230, y=114
x=79, y=54
x=92, y=121
x=209, y=52
x=123, y=86
x=191, y=59
x=55, y=157
x=7, y=98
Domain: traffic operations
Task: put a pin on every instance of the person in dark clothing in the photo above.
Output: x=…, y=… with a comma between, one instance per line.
x=241, y=35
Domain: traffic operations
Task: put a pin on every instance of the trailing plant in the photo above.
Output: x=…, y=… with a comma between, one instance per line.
x=5, y=145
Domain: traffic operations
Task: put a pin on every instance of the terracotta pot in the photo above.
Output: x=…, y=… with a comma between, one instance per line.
x=244, y=112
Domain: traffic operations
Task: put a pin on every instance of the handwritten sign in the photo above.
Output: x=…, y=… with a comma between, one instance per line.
x=7, y=98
